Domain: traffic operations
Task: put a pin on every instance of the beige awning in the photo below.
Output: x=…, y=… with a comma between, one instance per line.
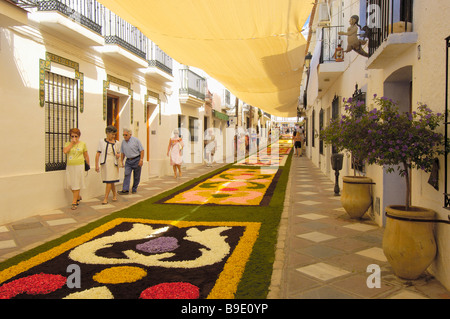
x=253, y=47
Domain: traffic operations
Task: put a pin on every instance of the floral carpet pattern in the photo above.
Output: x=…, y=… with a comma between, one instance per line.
x=261, y=159
x=180, y=253
x=139, y=258
x=234, y=186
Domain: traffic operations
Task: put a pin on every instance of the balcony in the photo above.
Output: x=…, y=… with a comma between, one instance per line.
x=329, y=69
x=124, y=43
x=11, y=14
x=192, y=90
x=78, y=22
x=209, y=97
x=226, y=100
x=87, y=23
x=393, y=32
x=159, y=64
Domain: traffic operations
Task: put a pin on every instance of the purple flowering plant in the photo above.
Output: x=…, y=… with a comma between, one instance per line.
x=387, y=137
x=350, y=131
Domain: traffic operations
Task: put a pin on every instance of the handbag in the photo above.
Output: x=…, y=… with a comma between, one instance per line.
x=86, y=166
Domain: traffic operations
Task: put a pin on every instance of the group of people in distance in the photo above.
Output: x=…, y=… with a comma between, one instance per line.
x=111, y=153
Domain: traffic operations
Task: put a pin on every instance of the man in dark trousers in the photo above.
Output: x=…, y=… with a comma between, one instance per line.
x=133, y=150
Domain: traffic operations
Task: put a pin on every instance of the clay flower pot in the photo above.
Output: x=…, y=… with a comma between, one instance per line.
x=408, y=240
x=356, y=197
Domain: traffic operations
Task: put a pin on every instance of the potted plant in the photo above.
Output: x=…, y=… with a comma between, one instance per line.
x=349, y=133
x=403, y=142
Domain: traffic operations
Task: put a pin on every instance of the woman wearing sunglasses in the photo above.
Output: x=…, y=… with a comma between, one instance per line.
x=77, y=153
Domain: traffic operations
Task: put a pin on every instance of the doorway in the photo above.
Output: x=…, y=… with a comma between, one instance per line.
x=398, y=87
x=150, y=117
x=112, y=113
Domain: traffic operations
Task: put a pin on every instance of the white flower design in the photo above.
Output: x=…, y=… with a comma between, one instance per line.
x=215, y=248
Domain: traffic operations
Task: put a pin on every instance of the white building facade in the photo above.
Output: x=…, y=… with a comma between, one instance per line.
x=68, y=64
x=407, y=56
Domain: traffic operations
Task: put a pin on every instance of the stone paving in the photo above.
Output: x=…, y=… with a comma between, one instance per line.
x=23, y=235
x=321, y=253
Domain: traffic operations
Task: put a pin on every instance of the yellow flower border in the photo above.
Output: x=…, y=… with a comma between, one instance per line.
x=226, y=284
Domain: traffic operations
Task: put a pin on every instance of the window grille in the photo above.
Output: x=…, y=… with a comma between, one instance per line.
x=313, y=128
x=61, y=114
x=359, y=96
x=447, y=123
x=334, y=115
x=320, y=129
x=193, y=128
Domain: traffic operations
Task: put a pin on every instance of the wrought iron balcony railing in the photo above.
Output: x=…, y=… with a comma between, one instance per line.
x=115, y=30
x=192, y=84
x=25, y=3
x=330, y=41
x=85, y=12
x=118, y=31
x=227, y=97
x=394, y=16
x=157, y=57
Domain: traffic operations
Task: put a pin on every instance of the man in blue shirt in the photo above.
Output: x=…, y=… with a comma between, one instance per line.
x=132, y=149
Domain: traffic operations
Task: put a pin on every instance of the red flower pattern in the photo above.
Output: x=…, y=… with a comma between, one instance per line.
x=39, y=284
x=171, y=290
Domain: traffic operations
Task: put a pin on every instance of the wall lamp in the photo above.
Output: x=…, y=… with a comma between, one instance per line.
x=308, y=58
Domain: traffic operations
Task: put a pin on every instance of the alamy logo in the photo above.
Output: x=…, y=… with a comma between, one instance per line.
x=374, y=279
x=373, y=16
x=74, y=280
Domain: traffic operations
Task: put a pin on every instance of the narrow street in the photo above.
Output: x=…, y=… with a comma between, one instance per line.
x=320, y=253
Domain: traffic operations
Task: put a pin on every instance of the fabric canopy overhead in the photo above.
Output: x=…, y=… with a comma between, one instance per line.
x=253, y=47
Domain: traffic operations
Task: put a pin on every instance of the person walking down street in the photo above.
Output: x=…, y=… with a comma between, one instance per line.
x=108, y=154
x=174, y=152
x=210, y=147
x=132, y=149
x=298, y=143
x=77, y=154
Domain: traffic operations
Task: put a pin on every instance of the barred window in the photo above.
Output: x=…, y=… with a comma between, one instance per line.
x=193, y=128
x=335, y=115
x=61, y=114
x=320, y=129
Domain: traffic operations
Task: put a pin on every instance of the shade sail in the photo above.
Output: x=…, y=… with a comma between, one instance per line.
x=253, y=47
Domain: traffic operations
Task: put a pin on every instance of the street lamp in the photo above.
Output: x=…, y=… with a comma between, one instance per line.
x=308, y=58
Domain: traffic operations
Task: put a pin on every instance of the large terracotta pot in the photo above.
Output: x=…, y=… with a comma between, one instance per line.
x=409, y=245
x=356, y=197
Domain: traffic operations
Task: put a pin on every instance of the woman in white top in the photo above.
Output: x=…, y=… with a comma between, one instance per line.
x=108, y=154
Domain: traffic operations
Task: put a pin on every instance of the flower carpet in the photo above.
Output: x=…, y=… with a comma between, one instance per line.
x=212, y=237
x=234, y=186
x=136, y=258
x=264, y=160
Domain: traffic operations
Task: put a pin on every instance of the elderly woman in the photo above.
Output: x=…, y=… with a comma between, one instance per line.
x=77, y=154
x=108, y=154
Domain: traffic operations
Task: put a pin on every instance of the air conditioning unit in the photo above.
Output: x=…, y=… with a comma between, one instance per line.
x=323, y=14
